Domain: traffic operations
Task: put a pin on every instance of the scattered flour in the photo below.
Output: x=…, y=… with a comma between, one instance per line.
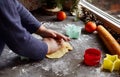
x=60, y=67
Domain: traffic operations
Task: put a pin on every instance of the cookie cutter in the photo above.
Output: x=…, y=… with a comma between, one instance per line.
x=73, y=31
x=92, y=56
x=111, y=63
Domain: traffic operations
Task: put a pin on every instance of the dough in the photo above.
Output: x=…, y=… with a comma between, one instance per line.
x=66, y=47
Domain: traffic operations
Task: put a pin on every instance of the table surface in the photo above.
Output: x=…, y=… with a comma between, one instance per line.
x=70, y=65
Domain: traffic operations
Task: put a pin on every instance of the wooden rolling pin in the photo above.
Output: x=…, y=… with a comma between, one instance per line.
x=112, y=45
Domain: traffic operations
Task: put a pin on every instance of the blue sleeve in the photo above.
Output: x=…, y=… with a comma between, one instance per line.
x=27, y=19
x=16, y=36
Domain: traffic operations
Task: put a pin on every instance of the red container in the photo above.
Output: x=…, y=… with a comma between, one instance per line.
x=92, y=56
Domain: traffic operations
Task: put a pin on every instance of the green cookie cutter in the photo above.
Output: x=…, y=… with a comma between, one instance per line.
x=73, y=31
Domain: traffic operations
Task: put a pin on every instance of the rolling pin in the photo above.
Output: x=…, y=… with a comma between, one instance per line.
x=112, y=45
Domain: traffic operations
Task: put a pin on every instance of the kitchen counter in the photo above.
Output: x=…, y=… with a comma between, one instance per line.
x=70, y=65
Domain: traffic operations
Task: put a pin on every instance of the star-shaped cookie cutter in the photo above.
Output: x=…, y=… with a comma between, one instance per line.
x=111, y=63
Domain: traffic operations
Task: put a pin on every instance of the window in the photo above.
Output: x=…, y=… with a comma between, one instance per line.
x=106, y=9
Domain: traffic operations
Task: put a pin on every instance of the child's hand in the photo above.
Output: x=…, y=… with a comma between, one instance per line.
x=48, y=33
x=53, y=45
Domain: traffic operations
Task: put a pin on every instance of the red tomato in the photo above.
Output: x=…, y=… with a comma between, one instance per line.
x=90, y=26
x=61, y=15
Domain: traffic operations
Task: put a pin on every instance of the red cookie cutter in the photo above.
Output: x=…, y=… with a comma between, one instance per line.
x=92, y=56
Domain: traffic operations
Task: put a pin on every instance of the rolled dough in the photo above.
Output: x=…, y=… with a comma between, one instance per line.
x=66, y=47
